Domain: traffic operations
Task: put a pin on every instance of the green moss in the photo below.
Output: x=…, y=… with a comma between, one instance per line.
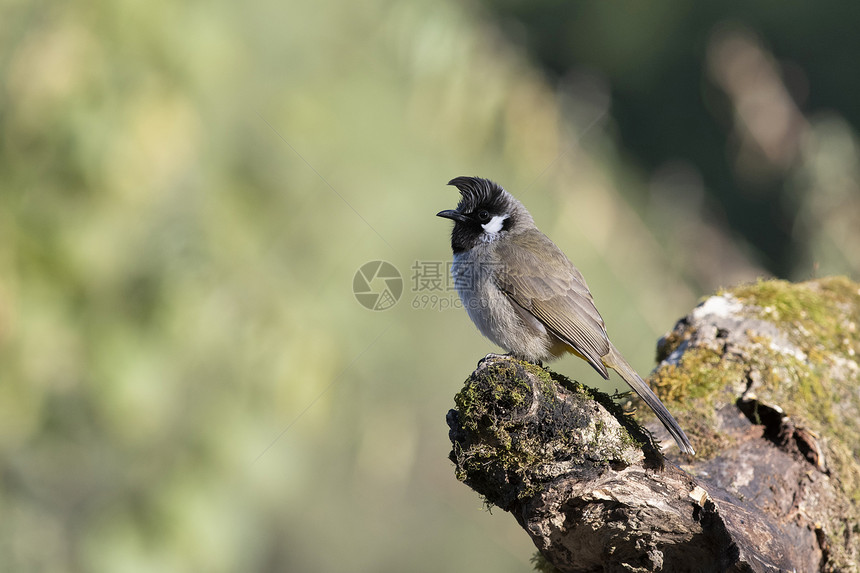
x=820, y=315
x=484, y=407
x=809, y=370
x=701, y=373
x=503, y=453
x=820, y=318
x=694, y=388
x=501, y=384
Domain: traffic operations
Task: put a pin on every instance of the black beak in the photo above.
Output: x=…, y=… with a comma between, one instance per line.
x=453, y=215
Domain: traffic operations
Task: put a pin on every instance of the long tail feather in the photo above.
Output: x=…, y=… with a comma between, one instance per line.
x=617, y=362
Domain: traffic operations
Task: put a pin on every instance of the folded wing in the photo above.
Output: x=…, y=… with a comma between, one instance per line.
x=543, y=281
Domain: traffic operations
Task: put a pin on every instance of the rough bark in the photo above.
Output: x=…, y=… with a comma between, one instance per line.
x=764, y=379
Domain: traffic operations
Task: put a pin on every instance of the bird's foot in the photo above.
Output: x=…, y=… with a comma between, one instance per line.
x=493, y=355
x=511, y=356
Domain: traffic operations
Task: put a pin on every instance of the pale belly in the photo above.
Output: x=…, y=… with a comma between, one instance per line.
x=498, y=318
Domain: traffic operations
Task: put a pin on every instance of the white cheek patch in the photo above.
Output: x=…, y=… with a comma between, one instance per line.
x=495, y=225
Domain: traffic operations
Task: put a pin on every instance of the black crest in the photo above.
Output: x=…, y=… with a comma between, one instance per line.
x=479, y=192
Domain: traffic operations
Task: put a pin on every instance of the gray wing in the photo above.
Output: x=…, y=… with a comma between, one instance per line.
x=542, y=280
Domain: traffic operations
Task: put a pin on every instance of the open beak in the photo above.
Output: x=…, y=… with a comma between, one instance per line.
x=453, y=215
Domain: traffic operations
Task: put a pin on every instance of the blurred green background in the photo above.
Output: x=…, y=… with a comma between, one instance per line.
x=187, y=190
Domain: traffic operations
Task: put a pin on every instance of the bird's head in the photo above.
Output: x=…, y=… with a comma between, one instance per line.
x=486, y=213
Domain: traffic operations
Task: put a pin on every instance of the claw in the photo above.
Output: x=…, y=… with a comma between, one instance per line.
x=494, y=355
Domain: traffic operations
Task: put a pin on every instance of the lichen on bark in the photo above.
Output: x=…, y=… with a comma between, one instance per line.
x=517, y=426
x=786, y=355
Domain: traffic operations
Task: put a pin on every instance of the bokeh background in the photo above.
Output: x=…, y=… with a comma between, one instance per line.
x=187, y=190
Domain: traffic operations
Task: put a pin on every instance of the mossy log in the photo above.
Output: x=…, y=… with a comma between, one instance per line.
x=765, y=379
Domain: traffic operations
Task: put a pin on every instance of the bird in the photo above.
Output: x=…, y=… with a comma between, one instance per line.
x=524, y=294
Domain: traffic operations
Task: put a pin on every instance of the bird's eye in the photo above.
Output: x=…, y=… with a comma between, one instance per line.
x=483, y=215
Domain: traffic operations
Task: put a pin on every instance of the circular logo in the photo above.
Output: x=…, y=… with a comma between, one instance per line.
x=377, y=285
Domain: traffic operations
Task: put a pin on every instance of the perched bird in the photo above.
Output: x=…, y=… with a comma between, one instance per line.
x=525, y=295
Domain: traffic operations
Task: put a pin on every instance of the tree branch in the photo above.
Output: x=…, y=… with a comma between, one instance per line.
x=764, y=379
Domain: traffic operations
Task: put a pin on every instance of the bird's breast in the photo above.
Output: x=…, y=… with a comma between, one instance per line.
x=494, y=314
